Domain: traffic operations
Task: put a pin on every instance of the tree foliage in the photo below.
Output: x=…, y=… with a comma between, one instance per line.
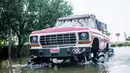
x=25, y=16
x=127, y=37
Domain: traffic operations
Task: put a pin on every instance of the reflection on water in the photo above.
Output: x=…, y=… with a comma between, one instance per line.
x=118, y=64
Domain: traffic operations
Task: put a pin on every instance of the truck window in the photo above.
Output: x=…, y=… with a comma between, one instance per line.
x=98, y=25
x=91, y=23
x=104, y=29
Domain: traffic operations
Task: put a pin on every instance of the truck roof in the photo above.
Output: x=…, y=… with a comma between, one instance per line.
x=77, y=17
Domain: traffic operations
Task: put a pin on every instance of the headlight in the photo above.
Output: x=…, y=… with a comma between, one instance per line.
x=34, y=39
x=83, y=36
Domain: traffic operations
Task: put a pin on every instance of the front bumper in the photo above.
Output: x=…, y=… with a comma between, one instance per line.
x=63, y=52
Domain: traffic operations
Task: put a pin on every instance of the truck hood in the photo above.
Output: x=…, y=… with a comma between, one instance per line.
x=59, y=29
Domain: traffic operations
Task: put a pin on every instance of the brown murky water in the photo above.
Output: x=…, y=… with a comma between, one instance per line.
x=120, y=63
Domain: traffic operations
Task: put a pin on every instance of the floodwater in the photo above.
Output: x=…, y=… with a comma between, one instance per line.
x=120, y=63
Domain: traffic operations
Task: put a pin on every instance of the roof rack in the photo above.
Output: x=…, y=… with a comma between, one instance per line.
x=84, y=16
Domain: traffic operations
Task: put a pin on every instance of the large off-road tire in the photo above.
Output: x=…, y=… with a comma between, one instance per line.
x=34, y=61
x=111, y=53
x=82, y=57
x=87, y=55
x=102, y=57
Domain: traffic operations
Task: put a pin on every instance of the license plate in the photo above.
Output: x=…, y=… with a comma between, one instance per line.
x=54, y=50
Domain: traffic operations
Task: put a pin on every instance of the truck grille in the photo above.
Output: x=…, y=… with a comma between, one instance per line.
x=58, y=39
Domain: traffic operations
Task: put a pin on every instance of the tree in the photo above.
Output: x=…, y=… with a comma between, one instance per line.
x=127, y=38
x=48, y=11
x=25, y=16
x=118, y=34
x=3, y=35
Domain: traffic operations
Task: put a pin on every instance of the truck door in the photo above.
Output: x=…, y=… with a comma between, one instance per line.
x=102, y=28
x=104, y=31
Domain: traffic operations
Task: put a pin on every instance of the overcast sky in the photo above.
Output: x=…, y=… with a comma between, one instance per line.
x=115, y=13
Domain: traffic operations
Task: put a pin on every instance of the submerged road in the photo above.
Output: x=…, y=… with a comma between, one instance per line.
x=120, y=63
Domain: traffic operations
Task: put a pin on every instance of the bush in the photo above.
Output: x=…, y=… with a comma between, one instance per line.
x=113, y=45
x=120, y=44
x=128, y=44
x=14, y=51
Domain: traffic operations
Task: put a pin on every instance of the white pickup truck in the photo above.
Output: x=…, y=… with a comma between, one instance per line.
x=78, y=38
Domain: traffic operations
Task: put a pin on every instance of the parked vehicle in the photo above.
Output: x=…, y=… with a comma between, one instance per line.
x=76, y=38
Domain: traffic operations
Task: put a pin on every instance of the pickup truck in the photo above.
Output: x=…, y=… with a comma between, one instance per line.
x=77, y=38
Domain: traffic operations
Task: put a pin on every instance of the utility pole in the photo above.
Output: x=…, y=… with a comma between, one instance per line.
x=9, y=48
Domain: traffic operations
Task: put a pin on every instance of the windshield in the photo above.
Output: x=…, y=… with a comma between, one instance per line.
x=68, y=24
x=76, y=23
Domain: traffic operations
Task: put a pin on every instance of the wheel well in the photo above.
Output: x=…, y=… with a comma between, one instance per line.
x=107, y=46
x=95, y=45
x=95, y=41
